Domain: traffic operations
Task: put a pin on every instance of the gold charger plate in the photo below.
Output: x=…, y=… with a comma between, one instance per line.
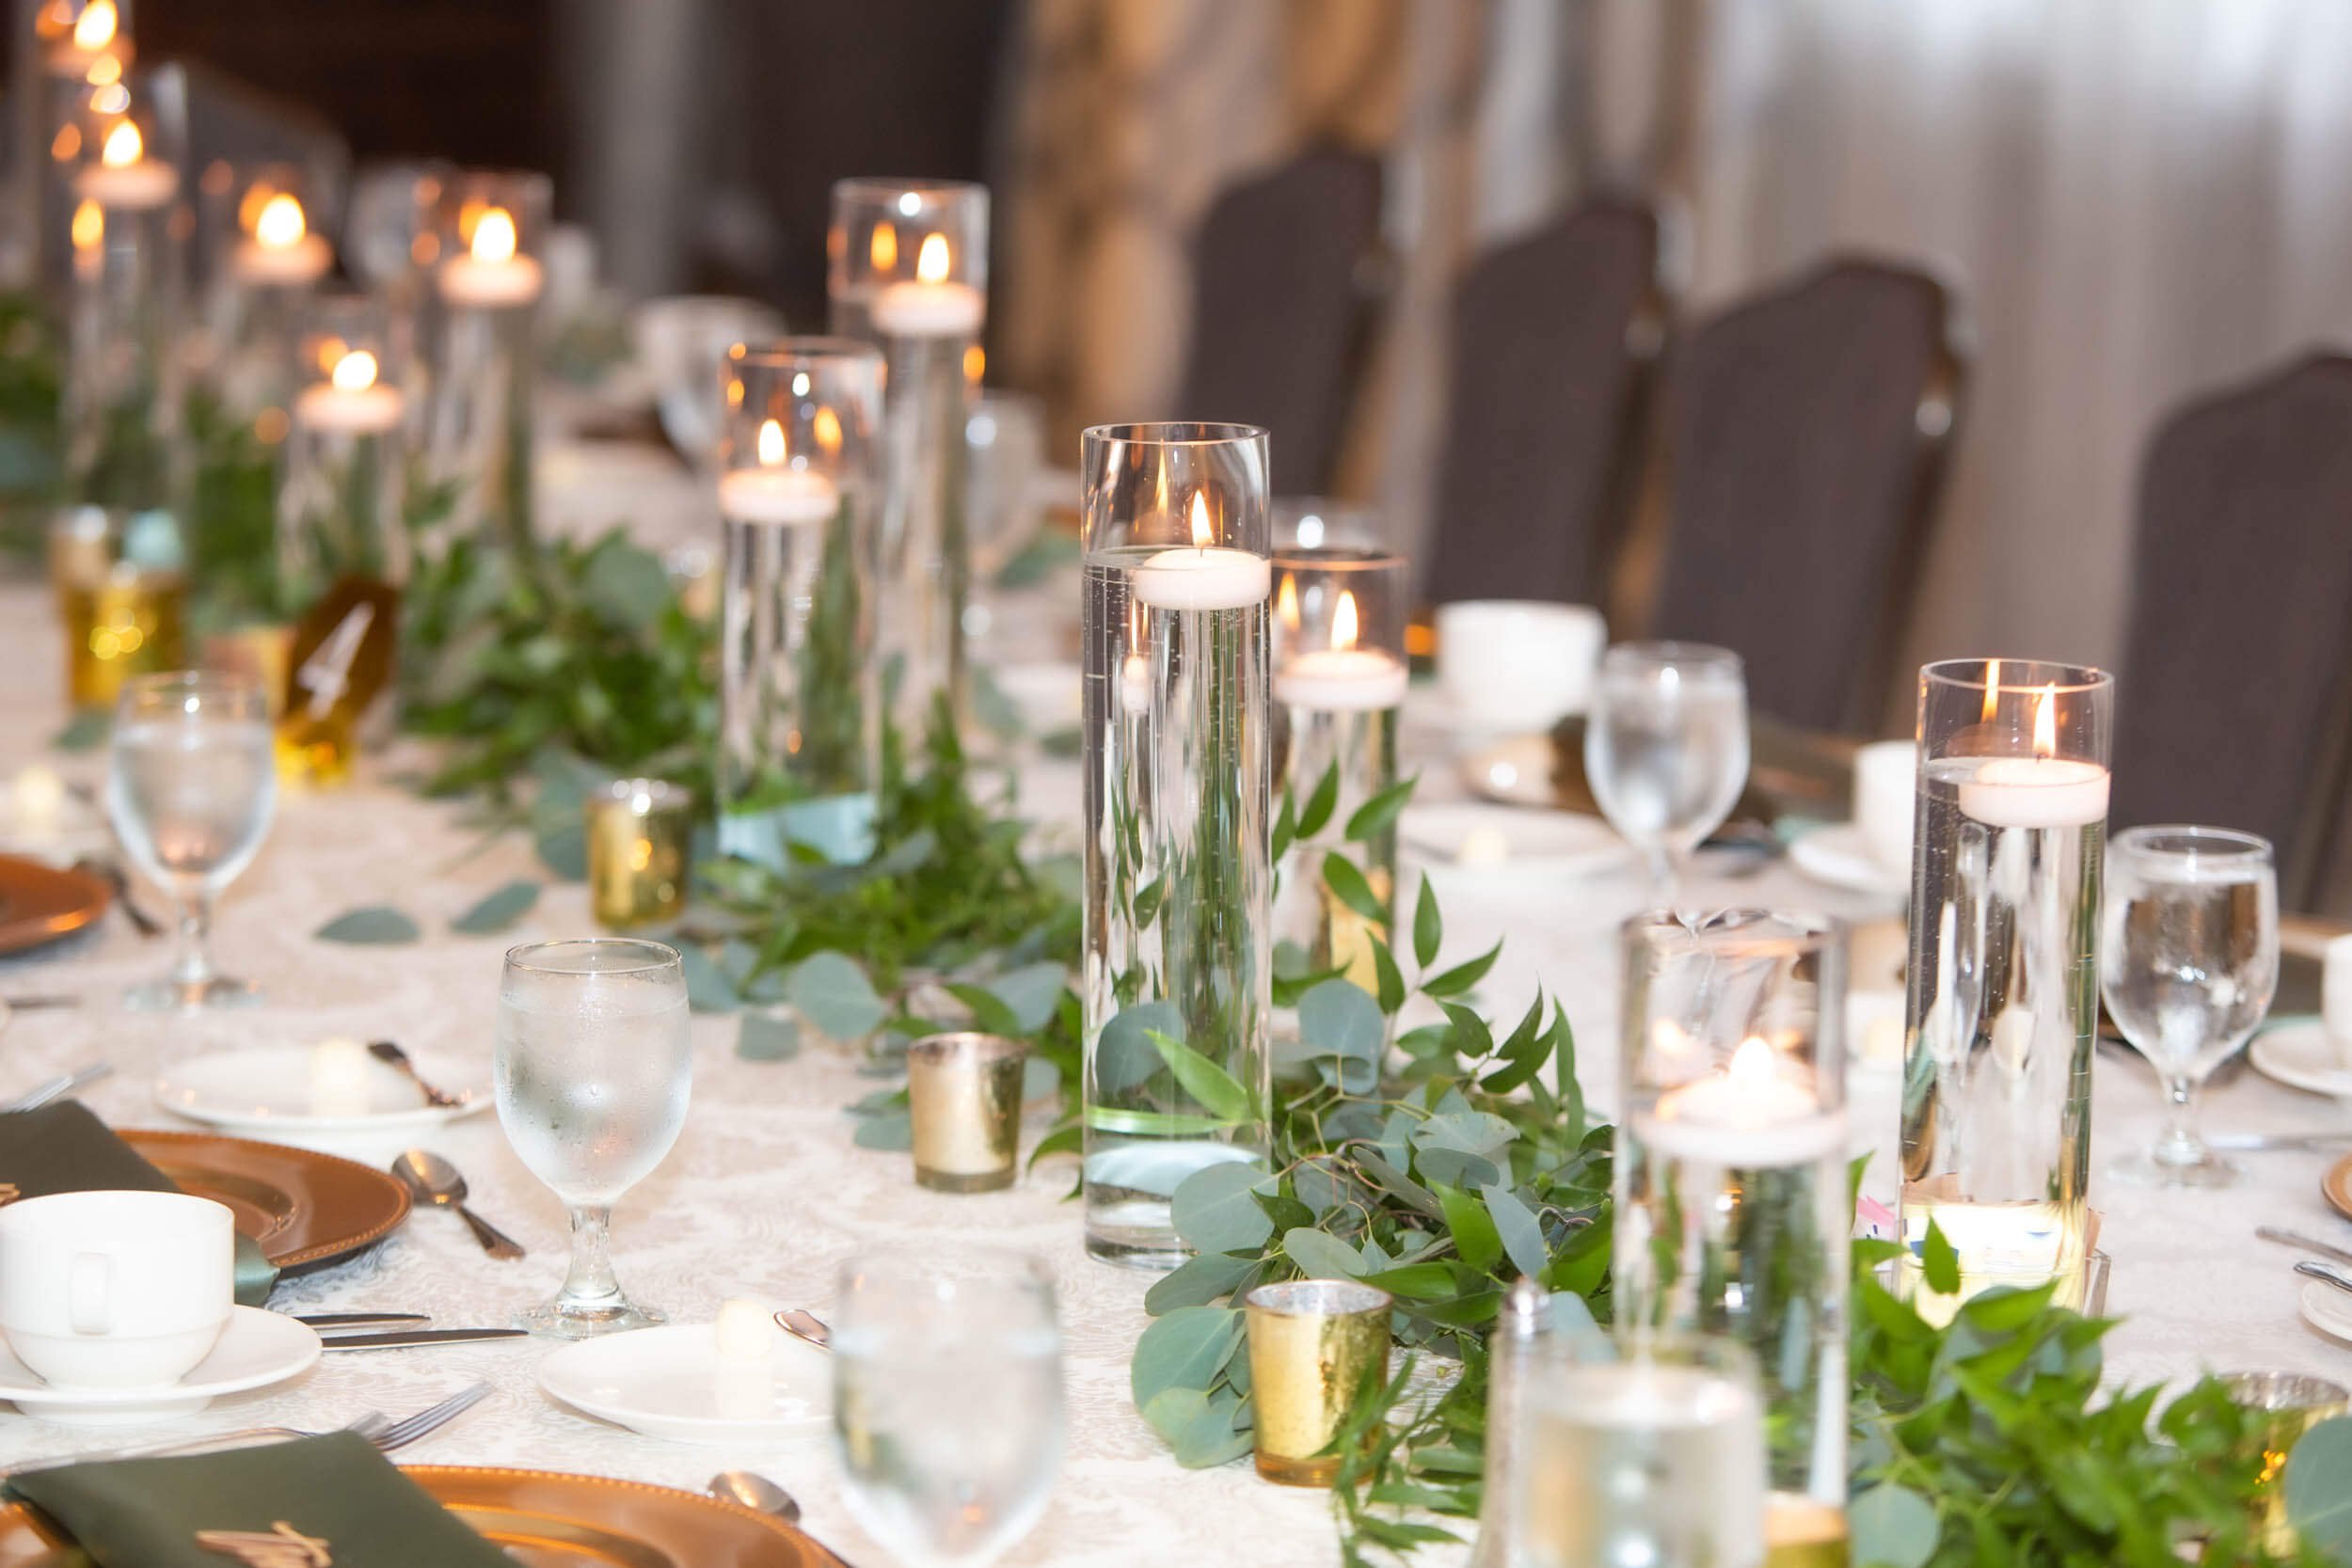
x=40, y=903
x=304, y=1210
x=2336, y=1186
x=546, y=1520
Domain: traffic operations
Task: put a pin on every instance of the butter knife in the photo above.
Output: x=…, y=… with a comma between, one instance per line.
x=2301, y=1243
x=2321, y=1271
x=400, y=1338
x=362, y=1319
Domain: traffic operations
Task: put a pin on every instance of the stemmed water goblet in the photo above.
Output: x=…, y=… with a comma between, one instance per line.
x=2188, y=960
x=947, y=1401
x=593, y=1064
x=1666, y=748
x=191, y=786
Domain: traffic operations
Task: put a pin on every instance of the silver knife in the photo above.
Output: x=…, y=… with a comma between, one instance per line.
x=2321, y=1271
x=2301, y=1243
x=418, y=1337
x=362, y=1319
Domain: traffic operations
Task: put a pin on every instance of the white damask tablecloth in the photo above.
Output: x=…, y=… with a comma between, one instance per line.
x=765, y=1194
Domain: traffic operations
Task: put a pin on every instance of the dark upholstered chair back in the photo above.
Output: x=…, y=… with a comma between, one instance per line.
x=1805, y=434
x=2236, y=686
x=1281, y=273
x=1554, y=338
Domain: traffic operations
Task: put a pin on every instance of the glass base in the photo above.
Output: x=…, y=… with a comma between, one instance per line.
x=2145, y=1170
x=176, y=996
x=1160, y=1257
x=558, y=1320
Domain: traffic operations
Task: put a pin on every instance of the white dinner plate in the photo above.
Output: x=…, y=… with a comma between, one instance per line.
x=1838, y=856
x=2328, y=1309
x=1471, y=844
x=264, y=1093
x=2299, y=1054
x=672, y=1382
x=259, y=1349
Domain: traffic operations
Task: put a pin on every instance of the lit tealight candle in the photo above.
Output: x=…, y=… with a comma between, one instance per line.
x=351, y=401
x=1203, y=577
x=125, y=179
x=774, y=492
x=491, y=276
x=1756, y=1114
x=38, y=803
x=282, y=251
x=930, y=307
x=2044, y=790
x=1343, y=677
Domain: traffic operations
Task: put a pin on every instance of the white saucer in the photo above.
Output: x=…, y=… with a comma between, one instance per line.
x=259, y=1349
x=1838, y=856
x=2299, y=1054
x=265, y=1093
x=2328, y=1309
x=1507, y=844
x=672, y=1383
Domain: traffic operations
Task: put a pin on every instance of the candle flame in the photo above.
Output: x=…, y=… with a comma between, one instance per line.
x=771, y=443
x=827, y=425
x=2045, y=723
x=1286, y=601
x=95, y=27
x=932, y=264
x=68, y=146
x=1343, y=621
x=974, y=363
x=280, y=223
x=494, y=236
x=882, y=249
x=1755, y=1063
x=1202, y=535
x=123, y=146
x=1991, y=689
x=355, y=372
x=104, y=71
x=89, y=226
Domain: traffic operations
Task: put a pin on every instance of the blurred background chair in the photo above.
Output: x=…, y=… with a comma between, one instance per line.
x=2241, y=622
x=1805, y=435
x=1286, y=274
x=1556, y=338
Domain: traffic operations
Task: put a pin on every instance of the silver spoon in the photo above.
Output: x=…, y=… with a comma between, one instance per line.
x=800, y=1322
x=433, y=1179
x=757, y=1492
x=390, y=1052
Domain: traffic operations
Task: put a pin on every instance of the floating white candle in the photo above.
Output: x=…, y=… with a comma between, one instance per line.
x=930, y=307
x=125, y=180
x=351, y=404
x=1754, y=1114
x=491, y=276
x=2043, y=790
x=773, y=493
x=282, y=251
x=1202, y=577
x=1342, y=678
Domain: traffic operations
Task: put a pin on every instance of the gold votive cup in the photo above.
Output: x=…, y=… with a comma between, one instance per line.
x=964, y=1092
x=2287, y=1405
x=1318, y=1351
x=639, y=841
x=1803, y=1532
x=121, y=594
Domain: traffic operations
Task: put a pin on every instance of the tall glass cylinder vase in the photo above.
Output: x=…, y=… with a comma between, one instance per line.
x=264, y=261
x=122, y=393
x=2004, y=993
x=68, y=62
x=800, y=749
x=484, y=360
x=909, y=271
x=1339, y=682
x=1177, y=963
x=1732, y=1214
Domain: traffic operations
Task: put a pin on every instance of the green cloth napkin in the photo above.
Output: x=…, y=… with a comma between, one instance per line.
x=62, y=1148
x=337, y=1490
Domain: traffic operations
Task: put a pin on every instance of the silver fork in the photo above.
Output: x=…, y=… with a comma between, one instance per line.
x=371, y=1426
x=401, y=1434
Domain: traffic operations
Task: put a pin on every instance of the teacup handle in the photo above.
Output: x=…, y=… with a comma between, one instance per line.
x=89, y=1287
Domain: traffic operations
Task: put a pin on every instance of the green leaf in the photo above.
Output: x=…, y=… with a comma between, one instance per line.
x=1391, y=979
x=1521, y=1233
x=371, y=925
x=1416, y=1281
x=1474, y=1234
x=1429, y=926
x=1031, y=994
x=1197, y=1281
x=833, y=994
x=1217, y=1090
x=2319, y=1487
x=1461, y=977
x=707, y=988
x=1285, y=828
x=1349, y=886
x=891, y=1131
x=1321, y=1255
x=563, y=851
x=1124, y=1055
x=1062, y=1140
x=1185, y=1349
x=1216, y=1209
x=627, y=583
x=1892, y=1526
x=1338, y=1018
x=500, y=910
x=1378, y=813
x=767, y=1037
x=1201, y=1429
x=1940, y=1262
x=1321, y=801
x=85, y=731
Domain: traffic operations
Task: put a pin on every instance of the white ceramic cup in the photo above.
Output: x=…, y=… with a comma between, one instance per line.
x=2335, y=997
x=1513, y=665
x=1885, y=786
x=116, y=1290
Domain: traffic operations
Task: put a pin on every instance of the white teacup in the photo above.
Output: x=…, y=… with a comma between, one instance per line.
x=1885, y=786
x=116, y=1290
x=1514, y=665
x=2335, y=998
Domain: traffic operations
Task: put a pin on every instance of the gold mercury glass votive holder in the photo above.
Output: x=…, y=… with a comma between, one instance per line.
x=2288, y=1405
x=1318, y=1351
x=964, y=1092
x=640, y=836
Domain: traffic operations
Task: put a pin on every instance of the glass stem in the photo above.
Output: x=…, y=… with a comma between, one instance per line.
x=590, y=1283
x=2178, y=1144
x=1664, y=876
x=193, y=964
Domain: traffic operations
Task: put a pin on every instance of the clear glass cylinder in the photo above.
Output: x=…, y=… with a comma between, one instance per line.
x=67, y=72
x=1732, y=1212
x=486, y=286
x=908, y=272
x=391, y=240
x=1177, y=980
x=1339, y=682
x=800, y=739
x=261, y=235
x=2003, y=978
x=122, y=424
x=343, y=461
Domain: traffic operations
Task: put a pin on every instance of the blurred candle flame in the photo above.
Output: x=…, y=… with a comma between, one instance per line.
x=1991, y=689
x=1286, y=602
x=280, y=223
x=826, y=426
x=771, y=443
x=123, y=146
x=1343, y=620
x=355, y=372
x=882, y=249
x=95, y=27
x=1202, y=535
x=933, y=263
x=494, y=236
x=2045, y=723
x=89, y=226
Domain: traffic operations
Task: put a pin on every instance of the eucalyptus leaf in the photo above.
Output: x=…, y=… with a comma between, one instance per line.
x=767, y=1037
x=627, y=583
x=833, y=994
x=1184, y=1349
x=1040, y=1079
x=1892, y=1527
x=1337, y=1017
x=563, y=851
x=891, y=1131
x=1124, y=1055
x=85, y=731
x=1031, y=992
x=374, y=925
x=1197, y=1281
x=1521, y=1233
x=1321, y=1255
x=1216, y=1209
x=500, y=910
x=707, y=989
x=2319, y=1487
